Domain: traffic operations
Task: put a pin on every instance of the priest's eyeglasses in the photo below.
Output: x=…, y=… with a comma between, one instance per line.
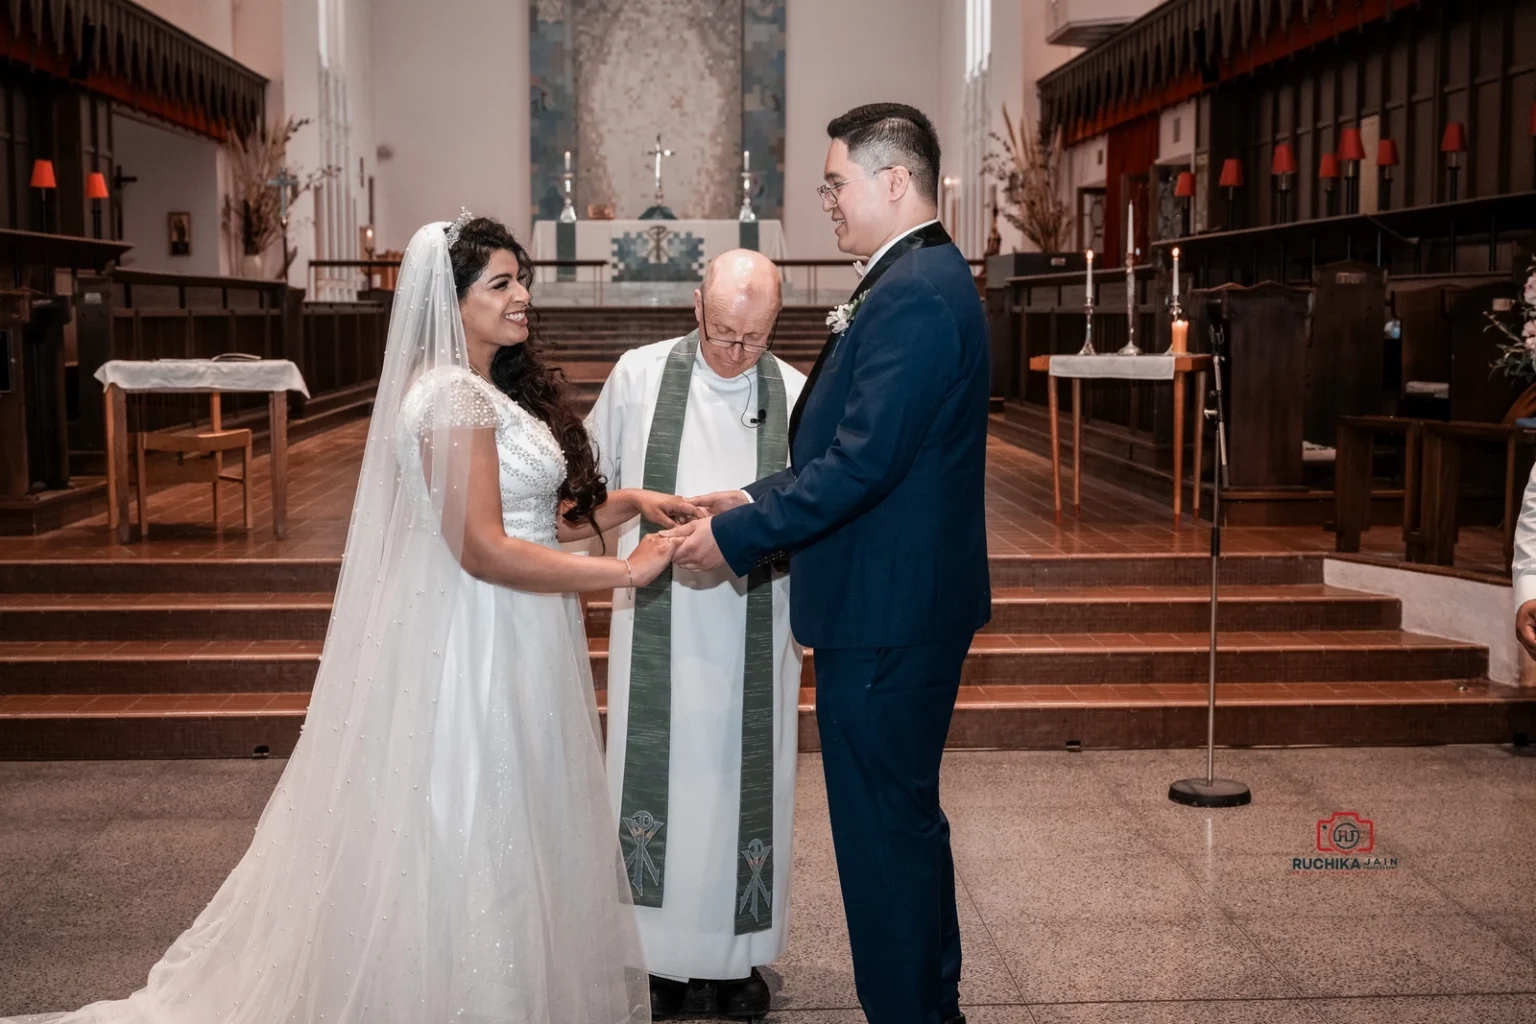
x=828, y=192
x=754, y=348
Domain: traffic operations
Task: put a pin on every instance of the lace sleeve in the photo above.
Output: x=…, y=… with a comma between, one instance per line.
x=449, y=398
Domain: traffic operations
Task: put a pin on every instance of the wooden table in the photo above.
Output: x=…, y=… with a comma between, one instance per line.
x=122, y=376
x=1183, y=365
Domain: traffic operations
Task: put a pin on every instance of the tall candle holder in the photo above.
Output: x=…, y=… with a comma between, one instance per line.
x=1130, y=349
x=1178, y=333
x=567, y=181
x=1088, y=349
x=746, y=214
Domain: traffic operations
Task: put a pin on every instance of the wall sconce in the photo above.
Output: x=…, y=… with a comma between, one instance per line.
x=44, y=181
x=1351, y=152
x=1184, y=188
x=1453, y=143
x=1281, y=168
x=96, y=191
x=1386, y=160
x=1231, y=180
x=1328, y=174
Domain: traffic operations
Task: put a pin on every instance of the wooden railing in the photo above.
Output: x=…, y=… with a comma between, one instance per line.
x=144, y=315
x=361, y=276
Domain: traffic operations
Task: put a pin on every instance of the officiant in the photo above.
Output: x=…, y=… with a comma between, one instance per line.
x=703, y=674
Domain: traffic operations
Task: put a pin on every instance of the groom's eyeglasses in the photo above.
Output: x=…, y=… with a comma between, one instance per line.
x=828, y=193
x=747, y=347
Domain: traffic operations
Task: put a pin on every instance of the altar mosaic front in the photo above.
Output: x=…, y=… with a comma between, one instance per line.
x=609, y=75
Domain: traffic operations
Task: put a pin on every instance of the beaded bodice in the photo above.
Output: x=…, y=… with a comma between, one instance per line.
x=532, y=466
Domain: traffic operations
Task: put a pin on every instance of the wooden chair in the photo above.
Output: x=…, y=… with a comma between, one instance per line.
x=215, y=441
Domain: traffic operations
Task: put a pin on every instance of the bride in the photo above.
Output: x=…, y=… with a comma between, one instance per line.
x=440, y=846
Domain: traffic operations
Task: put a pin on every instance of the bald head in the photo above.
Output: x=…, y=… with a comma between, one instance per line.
x=738, y=301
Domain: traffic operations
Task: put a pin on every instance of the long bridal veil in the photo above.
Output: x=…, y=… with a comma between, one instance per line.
x=440, y=846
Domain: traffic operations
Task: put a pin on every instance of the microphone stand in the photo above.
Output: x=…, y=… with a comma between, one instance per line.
x=1211, y=791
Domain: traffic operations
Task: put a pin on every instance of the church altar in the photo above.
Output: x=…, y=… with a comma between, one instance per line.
x=647, y=251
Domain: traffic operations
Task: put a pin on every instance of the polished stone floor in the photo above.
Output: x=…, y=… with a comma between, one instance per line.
x=1085, y=894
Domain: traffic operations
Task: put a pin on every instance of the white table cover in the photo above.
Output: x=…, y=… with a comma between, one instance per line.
x=203, y=375
x=619, y=241
x=1146, y=367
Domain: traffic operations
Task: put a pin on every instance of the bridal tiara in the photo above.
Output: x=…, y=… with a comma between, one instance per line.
x=457, y=226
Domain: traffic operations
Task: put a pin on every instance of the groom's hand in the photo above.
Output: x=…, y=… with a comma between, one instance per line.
x=698, y=551
x=720, y=501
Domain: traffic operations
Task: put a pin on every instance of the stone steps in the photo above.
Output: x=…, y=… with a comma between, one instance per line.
x=215, y=657
x=54, y=667
x=991, y=717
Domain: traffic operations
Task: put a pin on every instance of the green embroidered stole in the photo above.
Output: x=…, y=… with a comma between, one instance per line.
x=647, y=754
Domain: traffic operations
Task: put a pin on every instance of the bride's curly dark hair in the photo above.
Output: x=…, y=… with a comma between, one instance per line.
x=519, y=372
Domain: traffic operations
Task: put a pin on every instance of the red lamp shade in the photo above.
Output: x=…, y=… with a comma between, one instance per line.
x=1231, y=173
x=1350, y=147
x=96, y=185
x=42, y=175
x=1455, y=138
x=1386, y=153
x=1328, y=167
x=1184, y=188
x=1284, y=161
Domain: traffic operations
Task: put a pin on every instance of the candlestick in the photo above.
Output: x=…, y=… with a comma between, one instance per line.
x=746, y=159
x=1130, y=348
x=1088, y=349
x=1178, y=338
x=567, y=159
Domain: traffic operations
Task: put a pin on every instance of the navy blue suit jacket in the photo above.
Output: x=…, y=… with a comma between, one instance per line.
x=882, y=507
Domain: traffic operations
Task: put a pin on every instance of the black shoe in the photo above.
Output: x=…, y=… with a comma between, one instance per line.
x=667, y=997
x=743, y=997
x=958, y=1018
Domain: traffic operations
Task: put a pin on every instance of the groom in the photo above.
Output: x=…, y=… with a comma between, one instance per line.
x=882, y=514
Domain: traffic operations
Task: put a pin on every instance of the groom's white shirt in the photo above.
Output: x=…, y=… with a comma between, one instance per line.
x=863, y=268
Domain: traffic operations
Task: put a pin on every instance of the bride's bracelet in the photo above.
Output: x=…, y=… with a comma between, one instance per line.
x=630, y=573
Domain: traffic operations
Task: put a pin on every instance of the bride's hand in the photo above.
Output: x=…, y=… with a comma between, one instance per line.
x=652, y=555
x=665, y=509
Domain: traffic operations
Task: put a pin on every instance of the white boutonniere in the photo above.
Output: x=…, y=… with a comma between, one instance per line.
x=841, y=317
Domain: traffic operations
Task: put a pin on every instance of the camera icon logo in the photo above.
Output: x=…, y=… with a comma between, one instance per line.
x=1346, y=832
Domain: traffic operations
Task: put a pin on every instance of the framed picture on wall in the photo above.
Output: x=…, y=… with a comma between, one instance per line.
x=179, y=226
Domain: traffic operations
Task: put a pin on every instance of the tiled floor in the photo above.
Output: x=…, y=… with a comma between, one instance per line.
x=1086, y=896
x=323, y=474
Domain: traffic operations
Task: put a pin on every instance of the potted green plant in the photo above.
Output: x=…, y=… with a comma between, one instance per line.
x=1517, y=355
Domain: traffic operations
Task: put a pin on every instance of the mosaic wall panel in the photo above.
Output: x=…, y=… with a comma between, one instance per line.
x=552, y=101
x=608, y=75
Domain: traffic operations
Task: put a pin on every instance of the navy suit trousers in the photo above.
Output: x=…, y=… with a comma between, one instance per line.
x=884, y=714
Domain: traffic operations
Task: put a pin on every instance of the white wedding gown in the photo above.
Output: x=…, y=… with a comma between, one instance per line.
x=440, y=846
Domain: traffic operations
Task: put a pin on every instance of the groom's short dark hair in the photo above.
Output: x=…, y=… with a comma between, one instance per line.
x=884, y=134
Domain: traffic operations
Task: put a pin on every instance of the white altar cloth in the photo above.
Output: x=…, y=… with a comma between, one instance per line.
x=651, y=250
x=203, y=375
x=1143, y=367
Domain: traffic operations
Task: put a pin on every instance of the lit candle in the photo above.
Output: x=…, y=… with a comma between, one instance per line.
x=746, y=159
x=1089, y=300
x=1179, y=329
x=567, y=159
x=1130, y=232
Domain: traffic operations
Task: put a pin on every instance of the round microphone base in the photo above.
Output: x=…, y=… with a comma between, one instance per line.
x=1210, y=793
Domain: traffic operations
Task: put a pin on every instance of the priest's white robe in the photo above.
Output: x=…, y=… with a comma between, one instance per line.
x=692, y=935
